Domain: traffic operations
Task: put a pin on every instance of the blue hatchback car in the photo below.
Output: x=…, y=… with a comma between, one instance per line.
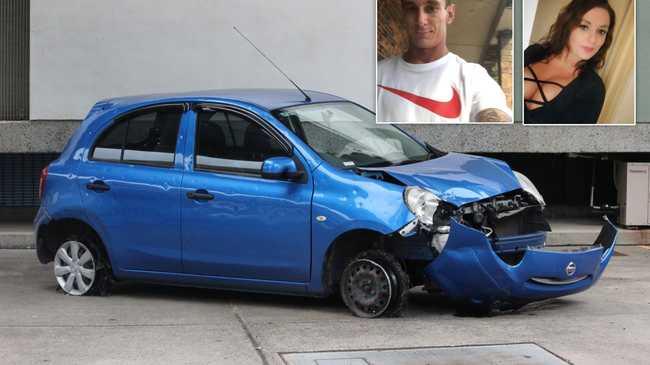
x=264, y=191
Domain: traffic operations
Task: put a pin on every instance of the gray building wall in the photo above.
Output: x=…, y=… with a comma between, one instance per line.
x=14, y=59
x=86, y=50
x=51, y=136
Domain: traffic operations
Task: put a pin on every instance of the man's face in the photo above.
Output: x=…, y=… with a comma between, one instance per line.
x=426, y=22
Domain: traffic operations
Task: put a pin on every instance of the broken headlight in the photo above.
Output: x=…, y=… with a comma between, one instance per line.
x=529, y=187
x=422, y=203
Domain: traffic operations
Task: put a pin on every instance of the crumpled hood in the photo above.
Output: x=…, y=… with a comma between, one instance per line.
x=458, y=178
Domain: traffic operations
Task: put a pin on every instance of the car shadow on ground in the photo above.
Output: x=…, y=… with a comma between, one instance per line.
x=421, y=303
x=223, y=296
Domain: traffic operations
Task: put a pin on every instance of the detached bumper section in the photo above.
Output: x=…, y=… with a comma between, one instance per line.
x=469, y=269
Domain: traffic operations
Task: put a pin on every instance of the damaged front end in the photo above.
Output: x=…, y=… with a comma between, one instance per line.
x=492, y=252
x=479, y=234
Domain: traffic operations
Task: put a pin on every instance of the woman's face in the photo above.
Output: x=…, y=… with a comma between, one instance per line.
x=587, y=38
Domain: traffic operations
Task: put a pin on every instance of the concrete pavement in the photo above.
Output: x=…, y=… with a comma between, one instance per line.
x=152, y=324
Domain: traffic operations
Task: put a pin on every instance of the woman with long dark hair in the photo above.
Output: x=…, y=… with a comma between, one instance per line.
x=561, y=84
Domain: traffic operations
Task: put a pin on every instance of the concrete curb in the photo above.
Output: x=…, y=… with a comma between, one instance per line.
x=17, y=240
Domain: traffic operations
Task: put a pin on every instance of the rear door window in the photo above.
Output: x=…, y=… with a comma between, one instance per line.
x=145, y=137
x=109, y=147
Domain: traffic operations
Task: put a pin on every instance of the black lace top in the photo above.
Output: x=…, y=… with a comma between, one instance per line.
x=579, y=102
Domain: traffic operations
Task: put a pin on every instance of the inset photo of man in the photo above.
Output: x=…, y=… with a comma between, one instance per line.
x=444, y=61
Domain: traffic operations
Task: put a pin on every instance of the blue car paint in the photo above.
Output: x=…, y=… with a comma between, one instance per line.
x=267, y=99
x=350, y=202
x=279, y=166
x=517, y=243
x=346, y=200
x=142, y=196
x=254, y=228
x=468, y=268
x=164, y=256
x=457, y=178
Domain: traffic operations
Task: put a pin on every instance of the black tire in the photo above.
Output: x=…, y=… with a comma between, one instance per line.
x=99, y=264
x=374, y=284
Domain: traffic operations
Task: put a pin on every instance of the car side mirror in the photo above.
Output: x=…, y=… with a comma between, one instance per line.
x=280, y=168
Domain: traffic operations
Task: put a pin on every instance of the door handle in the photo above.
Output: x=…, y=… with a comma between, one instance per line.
x=200, y=194
x=98, y=186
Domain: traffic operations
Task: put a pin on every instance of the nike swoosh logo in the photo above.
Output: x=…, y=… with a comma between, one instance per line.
x=449, y=109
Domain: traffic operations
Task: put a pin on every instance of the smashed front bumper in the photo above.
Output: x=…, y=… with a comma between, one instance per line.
x=469, y=269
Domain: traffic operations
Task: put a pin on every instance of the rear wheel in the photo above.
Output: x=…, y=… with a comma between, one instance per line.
x=374, y=284
x=80, y=267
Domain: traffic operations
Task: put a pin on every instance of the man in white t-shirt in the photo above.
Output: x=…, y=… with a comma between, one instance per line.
x=430, y=84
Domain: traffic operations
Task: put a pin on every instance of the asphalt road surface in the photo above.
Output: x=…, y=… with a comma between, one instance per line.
x=151, y=324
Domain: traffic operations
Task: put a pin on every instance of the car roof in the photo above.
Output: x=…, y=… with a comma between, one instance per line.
x=268, y=99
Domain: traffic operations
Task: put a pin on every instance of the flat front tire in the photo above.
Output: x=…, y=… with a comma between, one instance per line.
x=374, y=284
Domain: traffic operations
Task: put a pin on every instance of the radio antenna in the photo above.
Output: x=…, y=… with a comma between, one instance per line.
x=307, y=98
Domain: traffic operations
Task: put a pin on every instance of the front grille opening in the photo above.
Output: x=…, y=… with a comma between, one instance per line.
x=530, y=220
x=511, y=214
x=512, y=258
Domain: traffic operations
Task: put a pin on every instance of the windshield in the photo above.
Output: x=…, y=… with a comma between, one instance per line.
x=346, y=135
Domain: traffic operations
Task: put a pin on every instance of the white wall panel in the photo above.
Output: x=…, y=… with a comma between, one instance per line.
x=86, y=50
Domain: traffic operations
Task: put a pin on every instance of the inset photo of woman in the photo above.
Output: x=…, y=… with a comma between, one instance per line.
x=579, y=62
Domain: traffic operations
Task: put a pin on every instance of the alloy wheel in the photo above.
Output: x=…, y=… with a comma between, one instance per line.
x=74, y=268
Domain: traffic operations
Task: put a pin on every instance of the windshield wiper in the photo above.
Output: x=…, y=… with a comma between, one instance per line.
x=434, y=152
x=378, y=164
x=409, y=161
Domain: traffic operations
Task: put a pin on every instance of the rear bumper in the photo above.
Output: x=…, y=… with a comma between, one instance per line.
x=469, y=269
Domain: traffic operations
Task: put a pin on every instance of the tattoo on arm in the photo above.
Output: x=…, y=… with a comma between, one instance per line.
x=493, y=115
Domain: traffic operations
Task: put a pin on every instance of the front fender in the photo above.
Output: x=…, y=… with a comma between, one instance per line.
x=344, y=201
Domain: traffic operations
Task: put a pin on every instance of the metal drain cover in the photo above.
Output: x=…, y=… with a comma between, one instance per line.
x=520, y=353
